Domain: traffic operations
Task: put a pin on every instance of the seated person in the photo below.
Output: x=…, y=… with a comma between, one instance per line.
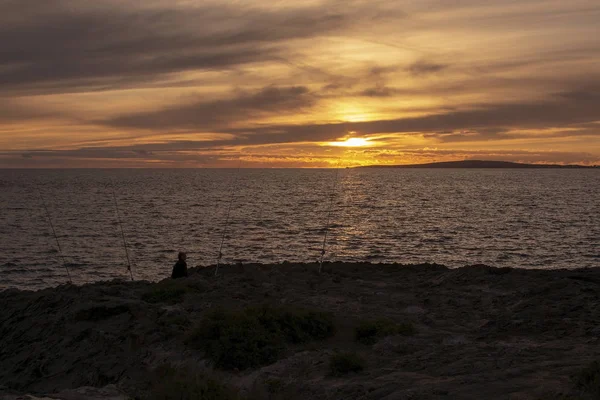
x=180, y=268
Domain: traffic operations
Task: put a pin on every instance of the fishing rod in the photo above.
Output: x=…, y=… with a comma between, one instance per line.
x=60, y=253
x=122, y=231
x=335, y=181
x=226, y=226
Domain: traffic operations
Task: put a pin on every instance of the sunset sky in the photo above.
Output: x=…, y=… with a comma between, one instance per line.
x=313, y=83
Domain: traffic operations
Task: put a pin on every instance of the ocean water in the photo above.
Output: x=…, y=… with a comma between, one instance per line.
x=515, y=218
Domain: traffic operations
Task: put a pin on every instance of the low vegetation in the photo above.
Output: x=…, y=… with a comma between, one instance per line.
x=187, y=384
x=101, y=312
x=272, y=389
x=256, y=336
x=369, y=332
x=588, y=379
x=342, y=364
x=184, y=383
x=171, y=294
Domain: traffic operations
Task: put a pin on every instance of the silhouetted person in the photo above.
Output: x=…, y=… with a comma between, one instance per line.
x=180, y=267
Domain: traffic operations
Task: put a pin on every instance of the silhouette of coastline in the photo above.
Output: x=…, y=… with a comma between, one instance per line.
x=481, y=164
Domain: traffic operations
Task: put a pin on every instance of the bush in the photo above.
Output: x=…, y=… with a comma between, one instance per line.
x=256, y=336
x=369, y=332
x=184, y=384
x=164, y=294
x=298, y=326
x=342, y=364
x=588, y=379
x=237, y=340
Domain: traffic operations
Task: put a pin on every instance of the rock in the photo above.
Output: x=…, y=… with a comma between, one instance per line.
x=109, y=392
x=481, y=333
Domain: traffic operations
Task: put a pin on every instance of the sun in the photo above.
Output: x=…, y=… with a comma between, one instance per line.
x=351, y=142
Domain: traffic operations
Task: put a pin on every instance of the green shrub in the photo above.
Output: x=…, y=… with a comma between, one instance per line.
x=369, y=332
x=164, y=294
x=588, y=379
x=184, y=384
x=342, y=364
x=298, y=326
x=237, y=340
x=256, y=336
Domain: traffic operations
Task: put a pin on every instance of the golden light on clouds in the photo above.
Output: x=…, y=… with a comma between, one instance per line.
x=351, y=142
x=353, y=110
x=295, y=84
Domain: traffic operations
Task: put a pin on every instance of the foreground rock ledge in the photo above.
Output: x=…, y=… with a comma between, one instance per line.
x=482, y=332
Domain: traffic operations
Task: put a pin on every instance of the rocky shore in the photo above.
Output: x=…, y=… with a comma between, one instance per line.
x=400, y=332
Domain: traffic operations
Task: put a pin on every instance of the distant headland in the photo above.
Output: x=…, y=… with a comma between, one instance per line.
x=479, y=164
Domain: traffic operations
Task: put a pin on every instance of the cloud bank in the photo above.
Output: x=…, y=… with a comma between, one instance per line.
x=191, y=83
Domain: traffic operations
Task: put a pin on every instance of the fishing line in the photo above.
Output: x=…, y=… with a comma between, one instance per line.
x=335, y=181
x=60, y=253
x=122, y=231
x=226, y=226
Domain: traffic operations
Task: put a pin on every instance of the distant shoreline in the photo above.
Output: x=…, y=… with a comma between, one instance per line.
x=484, y=164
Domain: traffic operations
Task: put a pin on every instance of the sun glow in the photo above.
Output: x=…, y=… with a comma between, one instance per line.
x=351, y=142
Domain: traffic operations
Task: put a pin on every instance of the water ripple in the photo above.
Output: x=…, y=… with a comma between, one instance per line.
x=516, y=218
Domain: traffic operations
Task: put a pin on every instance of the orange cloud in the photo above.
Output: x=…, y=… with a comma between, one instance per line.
x=302, y=85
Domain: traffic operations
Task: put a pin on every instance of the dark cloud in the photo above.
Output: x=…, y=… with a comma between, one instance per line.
x=562, y=110
x=378, y=79
x=469, y=135
x=379, y=91
x=143, y=153
x=70, y=45
x=424, y=67
x=87, y=153
x=485, y=135
x=485, y=121
x=99, y=49
x=204, y=115
x=537, y=60
x=14, y=111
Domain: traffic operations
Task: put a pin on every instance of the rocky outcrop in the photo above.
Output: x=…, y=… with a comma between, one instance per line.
x=481, y=332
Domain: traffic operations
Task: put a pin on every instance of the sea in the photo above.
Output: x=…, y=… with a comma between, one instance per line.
x=523, y=218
